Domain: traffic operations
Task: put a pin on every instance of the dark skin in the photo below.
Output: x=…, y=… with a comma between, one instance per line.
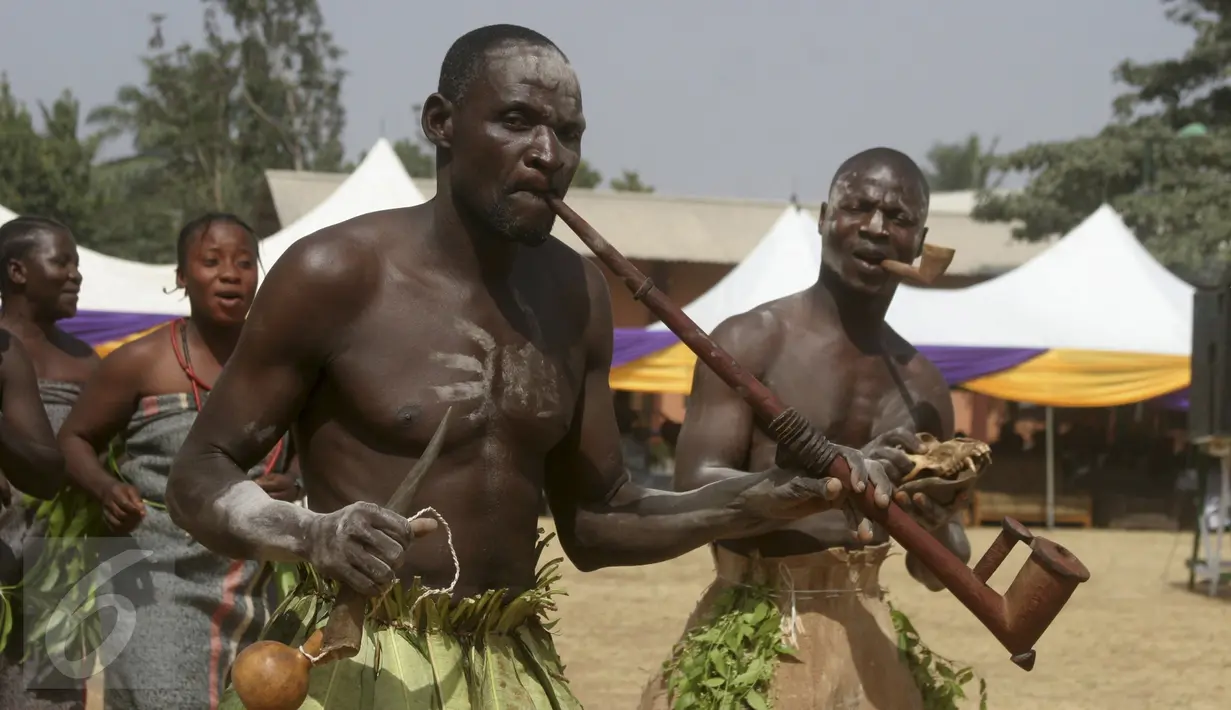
x=464, y=302
x=28, y=452
x=220, y=279
x=42, y=289
x=877, y=392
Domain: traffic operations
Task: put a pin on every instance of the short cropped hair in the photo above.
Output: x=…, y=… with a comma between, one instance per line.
x=465, y=58
x=884, y=156
x=18, y=236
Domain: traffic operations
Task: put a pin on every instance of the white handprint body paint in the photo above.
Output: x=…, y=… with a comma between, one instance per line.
x=503, y=378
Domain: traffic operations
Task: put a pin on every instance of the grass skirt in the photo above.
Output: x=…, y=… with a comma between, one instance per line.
x=482, y=652
x=805, y=631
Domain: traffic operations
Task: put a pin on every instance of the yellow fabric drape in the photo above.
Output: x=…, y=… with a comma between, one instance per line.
x=1057, y=378
x=1087, y=378
x=105, y=349
x=668, y=371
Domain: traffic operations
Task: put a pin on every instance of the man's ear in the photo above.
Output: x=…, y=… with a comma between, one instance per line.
x=820, y=223
x=437, y=121
x=923, y=237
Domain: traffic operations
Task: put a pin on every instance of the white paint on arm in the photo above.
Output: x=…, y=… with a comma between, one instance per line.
x=266, y=529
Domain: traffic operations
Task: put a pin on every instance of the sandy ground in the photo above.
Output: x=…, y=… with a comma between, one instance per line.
x=1133, y=637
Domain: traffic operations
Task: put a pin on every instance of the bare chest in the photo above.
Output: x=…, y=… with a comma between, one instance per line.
x=851, y=398
x=518, y=382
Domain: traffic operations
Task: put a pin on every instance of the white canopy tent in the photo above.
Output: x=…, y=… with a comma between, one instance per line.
x=1097, y=288
x=121, y=286
x=786, y=260
x=379, y=183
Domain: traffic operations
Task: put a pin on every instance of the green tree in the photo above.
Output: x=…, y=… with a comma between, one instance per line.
x=963, y=165
x=417, y=154
x=1169, y=179
x=182, y=123
x=291, y=114
x=630, y=181
x=48, y=172
x=261, y=92
x=419, y=162
x=586, y=176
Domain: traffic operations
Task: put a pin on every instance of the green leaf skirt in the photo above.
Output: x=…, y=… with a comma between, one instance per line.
x=481, y=652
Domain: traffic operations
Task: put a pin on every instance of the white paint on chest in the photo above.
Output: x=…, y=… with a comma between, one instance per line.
x=528, y=383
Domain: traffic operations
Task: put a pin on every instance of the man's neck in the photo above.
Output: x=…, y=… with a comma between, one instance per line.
x=468, y=247
x=21, y=318
x=862, y=315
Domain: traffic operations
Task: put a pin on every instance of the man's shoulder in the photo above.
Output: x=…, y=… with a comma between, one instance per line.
x=919, y=367
x=765, y=321
x=750, y=337
x=349, y=252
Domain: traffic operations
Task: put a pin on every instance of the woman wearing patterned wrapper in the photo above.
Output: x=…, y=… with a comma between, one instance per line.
x=39, y=283
x=195, y=610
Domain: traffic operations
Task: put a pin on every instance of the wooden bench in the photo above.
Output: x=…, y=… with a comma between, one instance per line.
x=1030, y=508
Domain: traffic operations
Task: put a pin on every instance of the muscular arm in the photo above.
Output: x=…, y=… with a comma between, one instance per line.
x=602, y=517
x=286, y=341
x=934, y=414
x=716, y=437
x=29, y=456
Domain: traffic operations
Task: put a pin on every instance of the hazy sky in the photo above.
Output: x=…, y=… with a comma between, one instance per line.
x=704, y=97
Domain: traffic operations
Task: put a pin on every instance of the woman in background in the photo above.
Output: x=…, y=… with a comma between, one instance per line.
x=195, y=610
x=39, y=283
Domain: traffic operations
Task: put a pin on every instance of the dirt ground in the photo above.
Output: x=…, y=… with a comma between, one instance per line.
x=1132, y=637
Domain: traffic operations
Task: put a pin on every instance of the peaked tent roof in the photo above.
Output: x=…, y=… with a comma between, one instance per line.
x=786, y=260
x=122, y=286
x=379, y=183
x=1096, y=289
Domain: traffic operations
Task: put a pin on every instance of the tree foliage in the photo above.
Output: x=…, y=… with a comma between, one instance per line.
x=263, y=91
x=630, y=181
x=586, y=176
x=964, y=165
x=1171, y=185
x=45, y=172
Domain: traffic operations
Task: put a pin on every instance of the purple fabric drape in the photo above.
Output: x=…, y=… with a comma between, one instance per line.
x=98, y=327
x=1177, y=400
x=957, y=364
x=962, y=364
x=635, y=343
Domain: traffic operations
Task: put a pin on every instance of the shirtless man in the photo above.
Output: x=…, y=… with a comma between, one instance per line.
x=365, y=333
x=828, y=352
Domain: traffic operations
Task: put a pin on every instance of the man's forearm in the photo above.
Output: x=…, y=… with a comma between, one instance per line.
x=642, y=526
x=235, y=517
